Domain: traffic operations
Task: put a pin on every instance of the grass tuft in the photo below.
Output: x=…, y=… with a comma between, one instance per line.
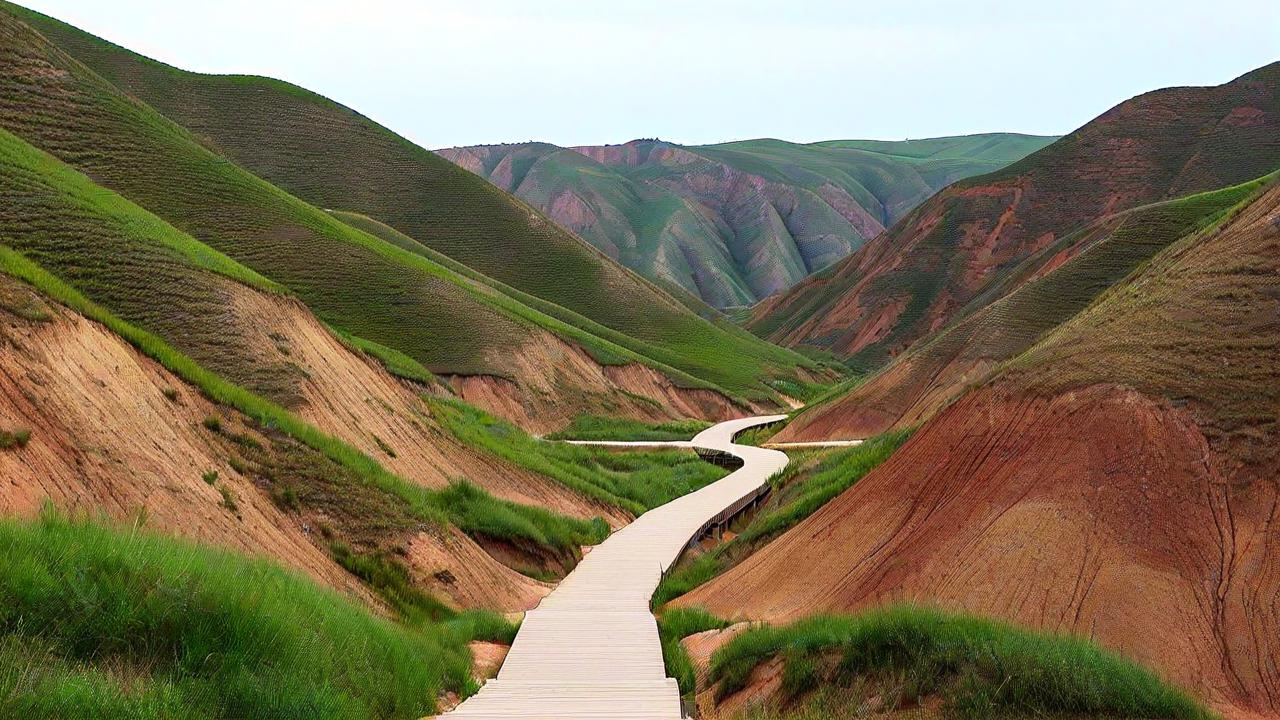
x=13, y=439
x=675, y=625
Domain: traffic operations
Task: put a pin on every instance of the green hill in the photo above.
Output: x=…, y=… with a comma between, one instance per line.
x=332, y=157
x=737, y=221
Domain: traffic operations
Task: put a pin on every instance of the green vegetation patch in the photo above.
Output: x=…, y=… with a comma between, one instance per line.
x=634, y=481
x=675, y=625
x=797, y=493
x=979, y=668
x=599, y=427
x=390, y=580
x=119, y=623
x=11, y=439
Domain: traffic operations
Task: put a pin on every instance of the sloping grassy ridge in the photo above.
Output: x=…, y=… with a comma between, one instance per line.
x=117, y=623
x=328, y=155
x=978, y=667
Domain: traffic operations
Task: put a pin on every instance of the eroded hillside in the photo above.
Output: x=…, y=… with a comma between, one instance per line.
x=1116, y=481
x=950, y=256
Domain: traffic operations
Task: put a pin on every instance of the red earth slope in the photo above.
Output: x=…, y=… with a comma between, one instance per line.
x=1064, y=280
x=1118, y=481
x=939, y=263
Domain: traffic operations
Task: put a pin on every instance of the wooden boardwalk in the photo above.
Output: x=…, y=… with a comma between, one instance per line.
x=591, y=649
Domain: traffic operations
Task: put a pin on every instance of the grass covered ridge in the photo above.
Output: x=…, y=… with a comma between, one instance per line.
x=600, y=427
x=979, y=668
x=313, y=153
x=112, y=623
x=798, y=491
x=634, y=481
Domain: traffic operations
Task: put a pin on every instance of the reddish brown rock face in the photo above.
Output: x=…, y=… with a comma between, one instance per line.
x=1099, y=513
x=937, y=262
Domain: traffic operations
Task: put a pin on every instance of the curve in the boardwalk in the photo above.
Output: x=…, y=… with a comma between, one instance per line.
x=591, y=648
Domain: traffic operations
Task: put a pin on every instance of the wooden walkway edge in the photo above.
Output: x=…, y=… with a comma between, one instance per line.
x=591, y=648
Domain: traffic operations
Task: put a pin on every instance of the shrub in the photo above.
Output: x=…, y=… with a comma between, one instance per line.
x=10, y=439
x=209, y=476
x=213, y=423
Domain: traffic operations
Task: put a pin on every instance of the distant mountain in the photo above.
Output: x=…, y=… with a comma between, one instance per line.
x=735, y=222
x=960, y=250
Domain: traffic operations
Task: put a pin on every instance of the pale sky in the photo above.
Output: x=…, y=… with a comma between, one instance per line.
x=446, y=72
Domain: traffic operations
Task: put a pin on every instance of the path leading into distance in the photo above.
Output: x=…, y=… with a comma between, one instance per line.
x=591, y=648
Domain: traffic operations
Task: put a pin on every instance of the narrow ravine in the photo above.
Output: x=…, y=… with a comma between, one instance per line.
x=591, y=648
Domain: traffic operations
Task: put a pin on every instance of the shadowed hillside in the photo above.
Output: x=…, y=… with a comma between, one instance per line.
x=938, y=264
x=1117, y=481
x=334, y=158
x=738, y=221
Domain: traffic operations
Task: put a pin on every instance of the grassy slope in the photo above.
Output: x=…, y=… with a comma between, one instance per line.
x=1195, y=326
x=598, y=427
x=798, y=492
x=328, y=155
x=1108, y=251
x=470, y=508
x=979, y=668
x=633, y=481
x=118, y=623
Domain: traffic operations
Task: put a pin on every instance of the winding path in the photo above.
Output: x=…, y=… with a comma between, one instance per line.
x=591, y=648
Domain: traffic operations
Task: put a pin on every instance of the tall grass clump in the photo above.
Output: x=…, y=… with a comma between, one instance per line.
x=675, y=625
x=11, y=439
x=978, y=667
x=106, y=622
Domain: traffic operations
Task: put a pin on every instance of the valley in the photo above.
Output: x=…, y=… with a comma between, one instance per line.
x=302, y=419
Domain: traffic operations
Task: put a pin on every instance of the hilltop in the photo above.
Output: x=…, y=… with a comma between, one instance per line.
x=955, y=253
